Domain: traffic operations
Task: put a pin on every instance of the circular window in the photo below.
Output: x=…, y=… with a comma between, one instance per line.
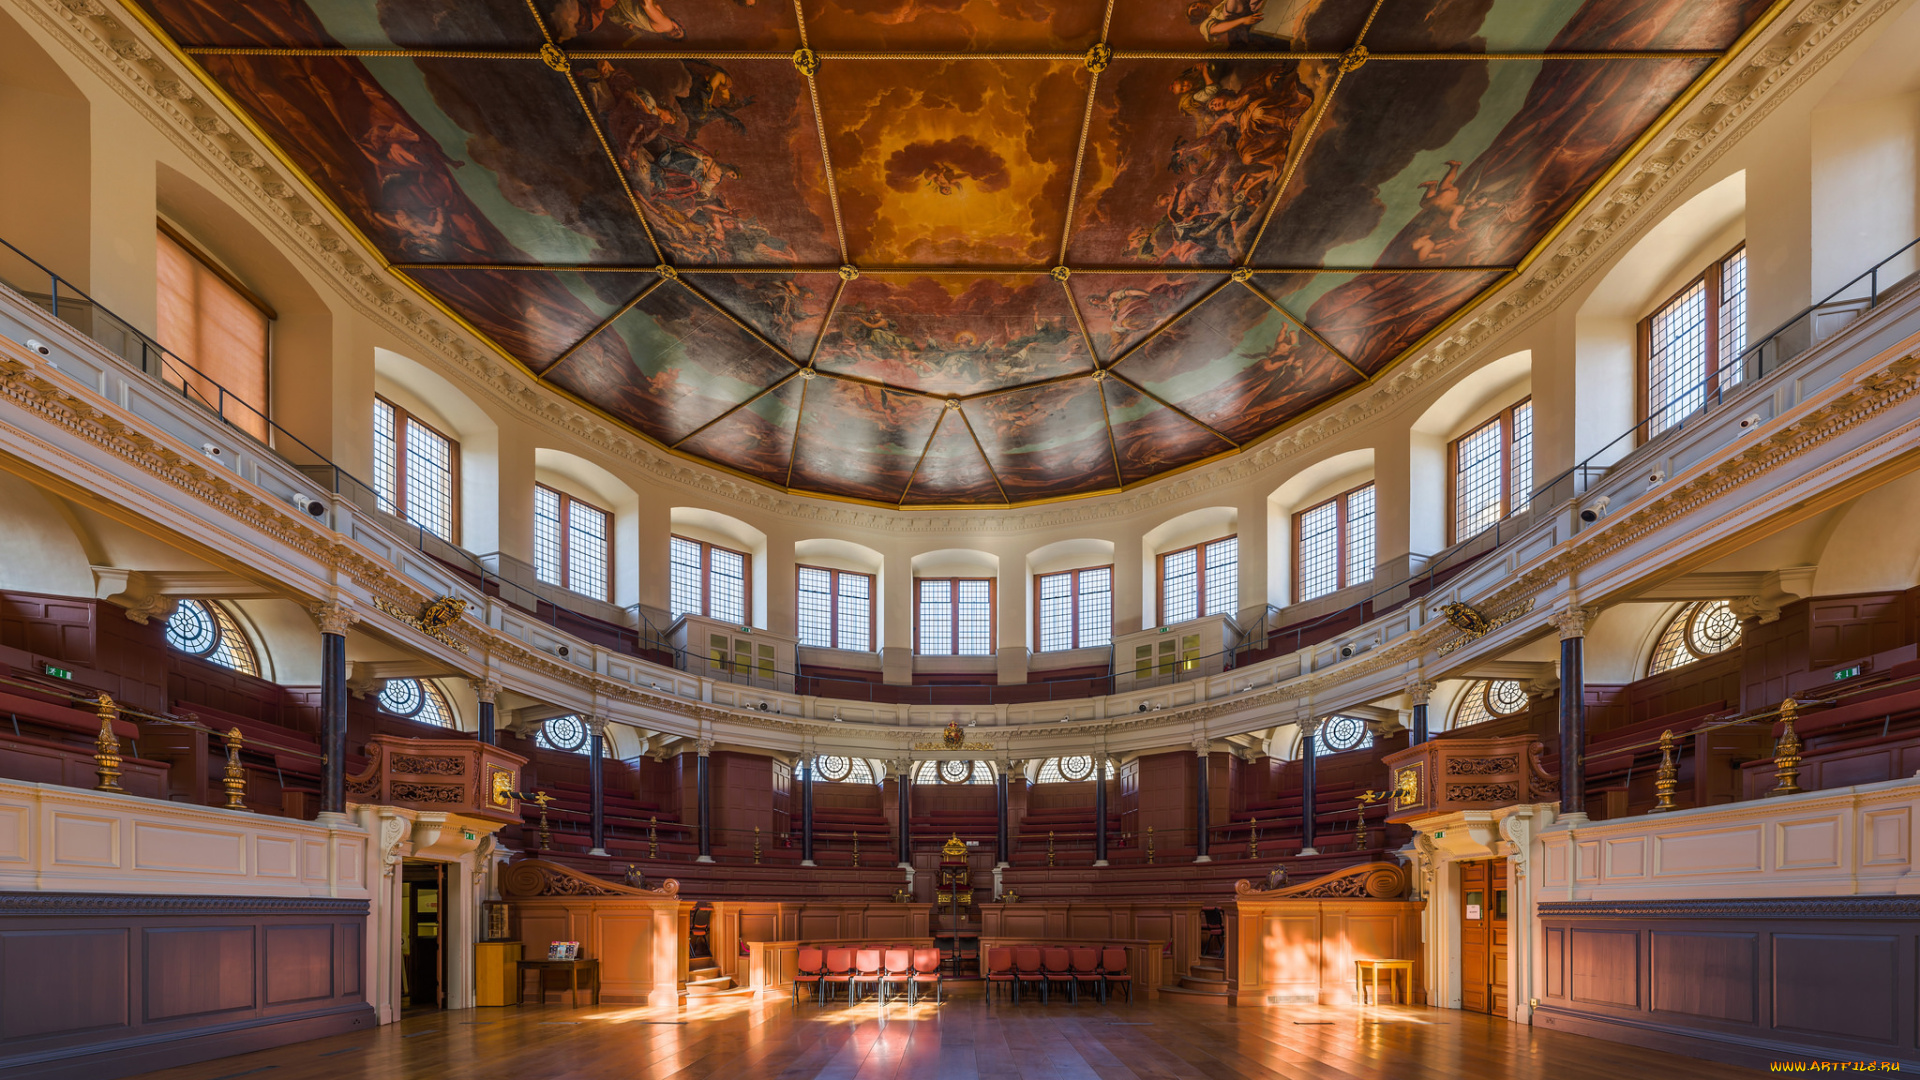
x=833, y=769
x=191, y=629
x=1341, y=733
x=956, y=772
x=403, y=697
x=1078, y=767
x=1715, y=629
x=564, y=733
x=1506, y=697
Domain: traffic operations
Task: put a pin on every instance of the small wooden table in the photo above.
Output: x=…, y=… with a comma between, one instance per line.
x=1365, y=970
x=571, y=967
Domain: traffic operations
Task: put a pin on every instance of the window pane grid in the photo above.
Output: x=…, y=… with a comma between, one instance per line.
x=816, y=607
x=1180, y=587
x=1733, y=318
x=936, y=617
x=1359, y=539
x=385, y=456
x=683, y=576
x=1477, y=481
x=975, y=618
x=429, y=492
x=1677, y=359
x=1223, y=576
x=1522, y=456
x=546, y=536
x=1056, y=612
x=1319, y=551
x=586, y=550
x=726, y=586
x=1096, y=608
x=855, y=629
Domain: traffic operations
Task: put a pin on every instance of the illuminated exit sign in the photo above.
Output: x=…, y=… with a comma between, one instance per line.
x=56, y=672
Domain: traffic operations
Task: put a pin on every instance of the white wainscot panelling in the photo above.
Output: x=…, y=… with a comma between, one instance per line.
x=274, y=856
x=1719, y=851
x=1809, y=844
x=85, y=840
x=1627, y=858
x=16, y=834
x=1884, y=836
x=202, y=850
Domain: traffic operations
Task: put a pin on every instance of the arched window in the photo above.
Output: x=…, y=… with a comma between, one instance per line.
x=1699, y=630
x=417, y=699
x=842, y=770
x=208, y=631
x=568, y=733
x=1486, y=699
x=1072, y=769
x=1343, y=733
x=953, y=772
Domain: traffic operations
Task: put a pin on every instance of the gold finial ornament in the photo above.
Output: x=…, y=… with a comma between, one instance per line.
x=856, y=847
x=807, y=62
x=1098, y=57
x=106, y=754
x=1149, y=845
x=756, y=845
x=653, y=837
x=1253, y=838
x=1665, y=780
x=1786, y=752
x=1354, y=59
x=236, y=779
x=1365, y=799
x=551, y=56
x=849, y=272
x=954, y=848
x=1049, y=847
x=1060, y=274
x=546, y=834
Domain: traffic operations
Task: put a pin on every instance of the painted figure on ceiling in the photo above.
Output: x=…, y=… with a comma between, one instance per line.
x=1250, y=24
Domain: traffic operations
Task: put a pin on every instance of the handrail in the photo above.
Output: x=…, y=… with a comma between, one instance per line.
x=1441, y=565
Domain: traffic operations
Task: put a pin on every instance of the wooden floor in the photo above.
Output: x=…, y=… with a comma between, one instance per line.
x=967, y=1037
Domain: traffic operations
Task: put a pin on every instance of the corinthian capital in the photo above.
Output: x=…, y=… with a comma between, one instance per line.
x=486, y=688
x=1573, y=622
x=1420, y=691
x=333, y=617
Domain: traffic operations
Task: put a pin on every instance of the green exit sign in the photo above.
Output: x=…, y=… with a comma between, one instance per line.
x=1846, y=673
x=56, y=672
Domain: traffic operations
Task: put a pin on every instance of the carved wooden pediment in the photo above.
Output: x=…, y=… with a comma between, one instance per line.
x=1367, y=881
x=527, y=879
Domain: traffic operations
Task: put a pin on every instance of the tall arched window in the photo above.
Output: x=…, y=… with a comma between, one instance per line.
x=417, y=699
x=953, y=772
x=208, y=631
x=1699, y=630
x=1487, y=699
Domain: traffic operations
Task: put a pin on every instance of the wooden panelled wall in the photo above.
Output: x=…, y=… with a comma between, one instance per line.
x=1301, y=951
x=95, y=986
x=1742, y=981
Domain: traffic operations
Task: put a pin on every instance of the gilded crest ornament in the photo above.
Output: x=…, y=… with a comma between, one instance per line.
x=1406, y=787
x=1465, y=617
x=441, y=613
x=953, y=737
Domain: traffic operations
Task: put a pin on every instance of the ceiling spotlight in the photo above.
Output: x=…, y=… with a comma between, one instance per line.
x=1142, y=708
x=1157, y=706
x=764, y=707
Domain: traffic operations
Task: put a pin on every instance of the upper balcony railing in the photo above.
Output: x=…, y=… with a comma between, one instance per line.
x=1266, y=636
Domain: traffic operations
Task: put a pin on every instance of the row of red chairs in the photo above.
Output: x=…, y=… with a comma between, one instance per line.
x=898, y=967
x=1018, y=966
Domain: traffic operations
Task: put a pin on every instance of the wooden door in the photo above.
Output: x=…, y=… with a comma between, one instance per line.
x=1483, y=936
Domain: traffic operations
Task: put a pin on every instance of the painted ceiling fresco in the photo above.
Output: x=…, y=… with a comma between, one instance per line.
x=934, y=253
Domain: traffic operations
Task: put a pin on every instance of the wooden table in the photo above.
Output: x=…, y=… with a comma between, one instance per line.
x=1364, y=970
x=571, y=967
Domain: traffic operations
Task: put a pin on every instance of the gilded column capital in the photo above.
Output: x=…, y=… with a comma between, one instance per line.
x=485, y=687
x=333, y=617
x=1420, y=690
x=1573, y=622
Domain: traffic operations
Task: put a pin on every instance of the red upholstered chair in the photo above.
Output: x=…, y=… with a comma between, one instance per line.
x=898, y=965
x=810, y=970
x=839, y=973
x=1086, y=969
x=1057, y=963
x=1026, y=972
x=1000, y=969
x=926, y=972
x=866, y=969
x=1113, y=971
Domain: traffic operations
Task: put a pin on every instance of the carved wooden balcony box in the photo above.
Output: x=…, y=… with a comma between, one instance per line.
x=459, y=776
x=1445, y=775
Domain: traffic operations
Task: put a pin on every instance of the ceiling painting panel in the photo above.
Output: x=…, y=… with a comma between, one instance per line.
x=860, y=440
x=536, y=315
x=953, y=472
x=1046, y=441
x=756, y=438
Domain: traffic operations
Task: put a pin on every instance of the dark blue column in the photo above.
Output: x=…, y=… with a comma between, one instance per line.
x=597, y=780
x=1309, y=787
x=1573, y=713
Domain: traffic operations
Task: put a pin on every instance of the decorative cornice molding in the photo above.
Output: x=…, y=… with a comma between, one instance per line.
x=128, y=904
x=1812, y=907
x=1796, y=44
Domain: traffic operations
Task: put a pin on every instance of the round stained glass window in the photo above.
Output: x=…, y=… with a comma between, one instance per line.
x=956, y=772
x=191, y=629
x=1341, y=733
x=1077, y=767
x=1506, y=697
x=1715, y=629
x=833, y=769
x=402, y=697
x=564, y=733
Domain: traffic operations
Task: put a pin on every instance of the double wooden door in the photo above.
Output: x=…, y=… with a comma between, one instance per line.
x=1483, y=936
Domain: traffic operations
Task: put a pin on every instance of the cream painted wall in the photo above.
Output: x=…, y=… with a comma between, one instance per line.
x=42, y=552
x=45, y=207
